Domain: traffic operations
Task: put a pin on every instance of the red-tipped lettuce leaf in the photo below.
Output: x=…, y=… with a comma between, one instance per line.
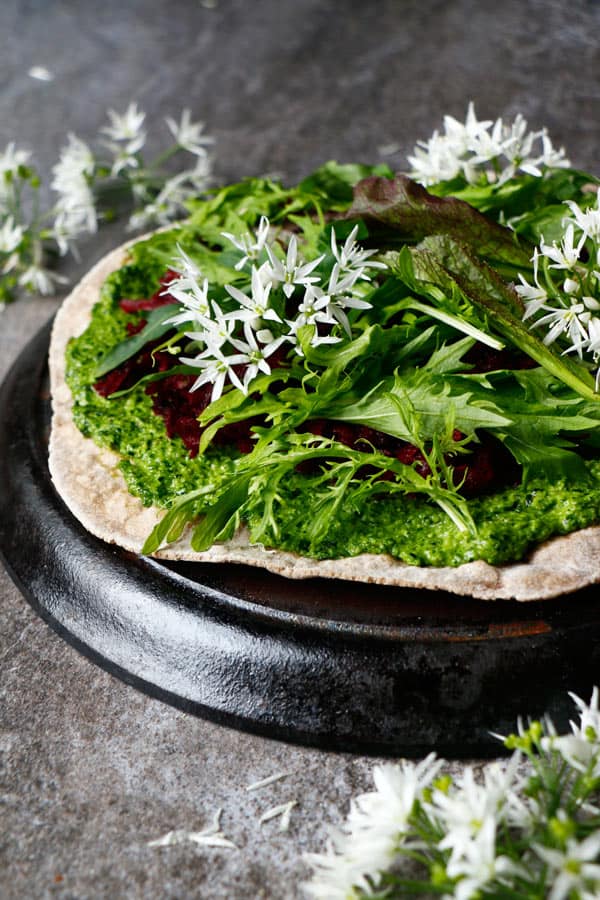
x=413, y=213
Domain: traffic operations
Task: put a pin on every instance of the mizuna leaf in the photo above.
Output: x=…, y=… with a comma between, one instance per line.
x=222, y=514
x=171, y=526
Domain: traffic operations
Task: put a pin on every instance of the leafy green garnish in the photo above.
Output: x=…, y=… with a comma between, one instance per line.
x=410, y=214
x=156, y=326
x=444, y=262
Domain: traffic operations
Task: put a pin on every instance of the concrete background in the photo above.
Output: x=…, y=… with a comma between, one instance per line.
x=90, y=770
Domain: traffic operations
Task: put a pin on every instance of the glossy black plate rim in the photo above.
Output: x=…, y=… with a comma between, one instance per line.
x=329, y=664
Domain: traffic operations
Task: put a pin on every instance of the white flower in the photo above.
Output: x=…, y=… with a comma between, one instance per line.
x=340, y=300
x=565, y=319
x=293, y=271
x=253, y=355
x=534, y=295
x=376, y=826
x=478, y=149
x=550, y=156
x=126, y=126
x=11, y=236
x=170, y=201
x=588, y=221
x=352, y=255
x=127, y=137
x=10, y=161
x=434, y=160
x=37, y=279
x=250, y=244
x=216, y=367
x=572, y=869
x=466, y=808
x=188, y=134
x=126, y=129
x=478, y=864
x=215, y=331
x=75, y=211
x=255, y=307
x=313, y=310
x=192, y=296
x=565, y=256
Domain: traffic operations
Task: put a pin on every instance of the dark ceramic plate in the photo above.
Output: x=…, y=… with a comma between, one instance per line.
x=329, y=663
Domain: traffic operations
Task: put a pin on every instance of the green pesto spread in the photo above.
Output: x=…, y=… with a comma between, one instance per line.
x=158, y=470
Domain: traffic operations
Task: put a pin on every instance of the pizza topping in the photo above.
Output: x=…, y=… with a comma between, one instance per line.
x=376, y=354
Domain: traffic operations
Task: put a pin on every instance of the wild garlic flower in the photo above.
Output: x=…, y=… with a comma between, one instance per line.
x=466, y=808
x=564, y=299
x=351, y=256
x=256, y=321
x=573, y=869
x=256, y=348
x=216, y=369
x=188, y=135
x=479, y=865
x=251, y=244
x=38, y=280
x=376, y=828
x=505, y=835
x=483, y=151
x=581, y=748
x=171, y=200
x=75, y=210
x=11, y=235
x=293, y=271
x=588, y=220
x=194, y=298
x=10, y=163
x=127, y=137
x=214, y=330
x=254, y=306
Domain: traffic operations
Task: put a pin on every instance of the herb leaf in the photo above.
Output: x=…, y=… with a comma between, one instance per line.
x=156, y=326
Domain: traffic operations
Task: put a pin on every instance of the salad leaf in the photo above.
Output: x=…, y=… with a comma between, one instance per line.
x=532, y=206
x=412, y=213
x=334, y=182
x=444, y=262
x=428, y=395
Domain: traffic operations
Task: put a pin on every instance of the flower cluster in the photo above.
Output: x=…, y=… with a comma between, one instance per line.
x=283, y=294
x=566, y=285
x=483, y=151
x=529, y=828
x=82, y=180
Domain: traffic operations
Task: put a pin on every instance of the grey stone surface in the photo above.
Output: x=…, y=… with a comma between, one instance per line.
x=90, y=770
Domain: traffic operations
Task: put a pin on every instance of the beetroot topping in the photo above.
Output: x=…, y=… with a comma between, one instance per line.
x=486, y=467
x=180, y=407
x=486, y=359
x=160, y=298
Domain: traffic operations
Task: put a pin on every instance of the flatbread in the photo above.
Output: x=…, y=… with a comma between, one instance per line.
x=88, y=480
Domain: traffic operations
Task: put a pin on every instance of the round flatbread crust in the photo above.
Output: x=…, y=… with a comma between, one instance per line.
x=88, y=480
